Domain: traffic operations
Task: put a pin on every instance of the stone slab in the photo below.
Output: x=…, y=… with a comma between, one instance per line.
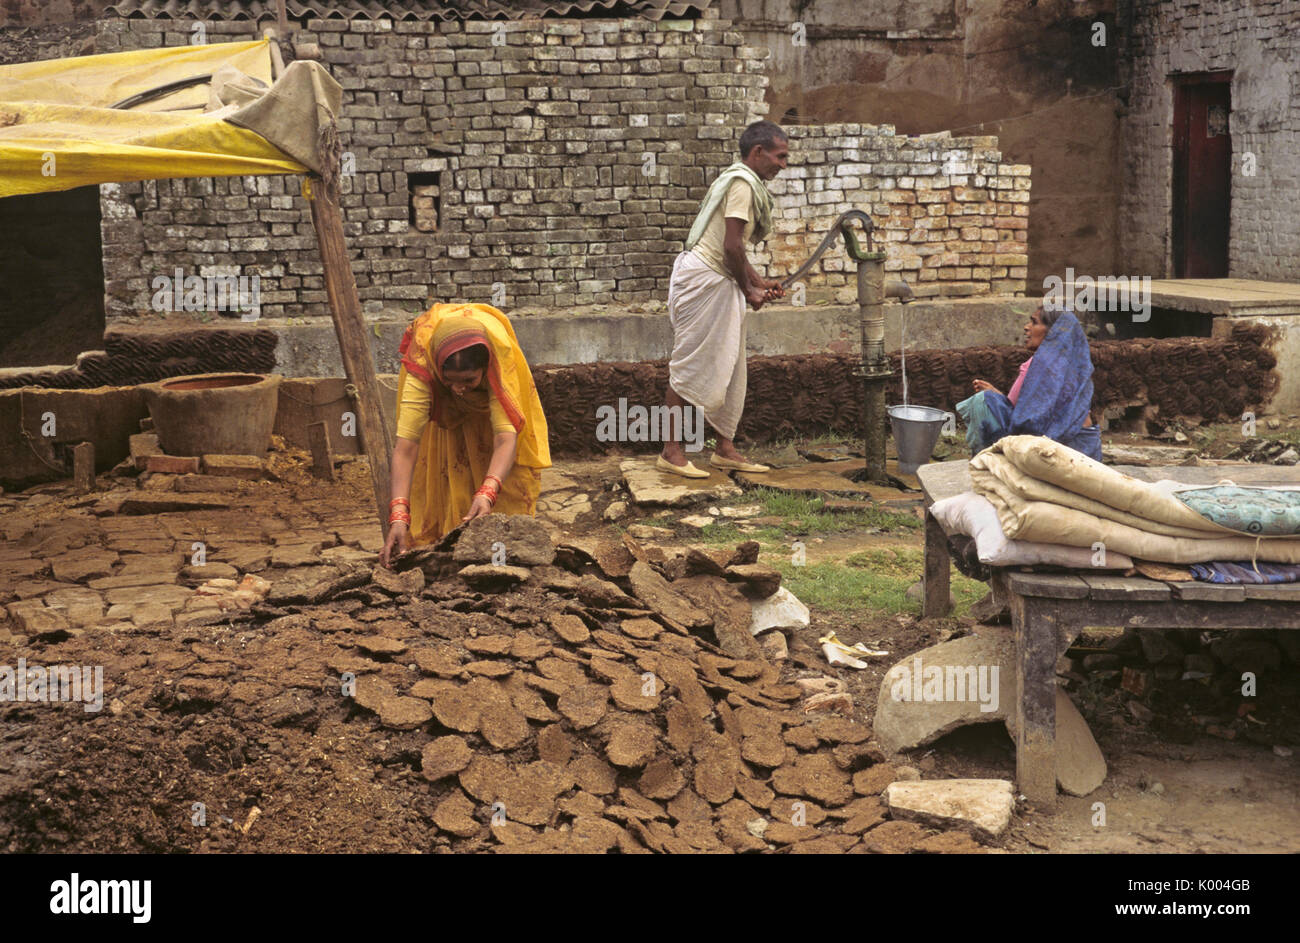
x=193, y=484
x=154, y=503
x=171, y=464
x=781, y=610
x=903, y=723
x=650, y=486
x=982, y=806
x=1233, y=297
x=172, y=597
x=33, y=618
x=247, y=467
x=1080, y=764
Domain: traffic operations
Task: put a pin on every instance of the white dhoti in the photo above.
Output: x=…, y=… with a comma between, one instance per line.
x=707, y=368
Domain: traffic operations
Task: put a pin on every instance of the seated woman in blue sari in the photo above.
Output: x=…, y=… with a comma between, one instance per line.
x=1051, y=396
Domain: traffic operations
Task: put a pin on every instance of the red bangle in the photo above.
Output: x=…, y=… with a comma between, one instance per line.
x=494, y=478
x=396, y=501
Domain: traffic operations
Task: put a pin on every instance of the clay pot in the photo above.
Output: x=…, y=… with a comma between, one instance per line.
x=214, y=413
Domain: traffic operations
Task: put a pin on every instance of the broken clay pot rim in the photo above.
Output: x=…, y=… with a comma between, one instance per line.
x=197, y=382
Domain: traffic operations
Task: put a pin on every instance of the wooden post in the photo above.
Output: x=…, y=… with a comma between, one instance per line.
x=354, y=340
x=938, y=594
x=277, y=57
x=1035, y=629
x=322, y=460
x=282, y=18
x=83, y=467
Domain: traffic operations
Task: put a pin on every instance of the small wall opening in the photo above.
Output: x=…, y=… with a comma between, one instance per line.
x=51, y=277
x=425, y=189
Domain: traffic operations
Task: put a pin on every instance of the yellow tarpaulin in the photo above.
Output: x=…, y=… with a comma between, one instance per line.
x=57, y=130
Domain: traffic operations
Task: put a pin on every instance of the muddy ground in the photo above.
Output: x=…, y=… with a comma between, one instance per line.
x=231, y=735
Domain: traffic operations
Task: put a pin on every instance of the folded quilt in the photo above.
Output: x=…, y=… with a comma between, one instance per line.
x=1046, y=492
x=974, y=516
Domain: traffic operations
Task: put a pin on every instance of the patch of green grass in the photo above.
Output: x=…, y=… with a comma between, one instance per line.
x=837, y=587
x=821, y=440
x=802, y=516
x=807, y=515
x=873, y=581
x=1289, y=436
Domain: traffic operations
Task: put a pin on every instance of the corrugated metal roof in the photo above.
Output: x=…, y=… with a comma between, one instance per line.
x=407, y=9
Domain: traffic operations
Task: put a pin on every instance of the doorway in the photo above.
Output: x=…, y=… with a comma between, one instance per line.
x=1202, y=178
x=51, y=277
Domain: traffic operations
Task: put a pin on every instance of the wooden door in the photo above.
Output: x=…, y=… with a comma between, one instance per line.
x=1202, y=175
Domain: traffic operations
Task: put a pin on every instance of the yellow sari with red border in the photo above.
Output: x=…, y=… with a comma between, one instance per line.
x=456, y=446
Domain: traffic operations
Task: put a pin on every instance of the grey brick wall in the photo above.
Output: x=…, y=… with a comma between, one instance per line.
x=1260, y=41
x=570, y=157
x=952, y=217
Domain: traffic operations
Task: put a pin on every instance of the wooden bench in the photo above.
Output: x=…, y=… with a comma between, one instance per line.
x=1049, y=610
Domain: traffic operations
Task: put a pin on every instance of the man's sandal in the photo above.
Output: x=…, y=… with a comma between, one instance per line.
x=686, y=471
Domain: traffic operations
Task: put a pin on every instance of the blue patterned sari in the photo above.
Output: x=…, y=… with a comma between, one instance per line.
x=1053, y=401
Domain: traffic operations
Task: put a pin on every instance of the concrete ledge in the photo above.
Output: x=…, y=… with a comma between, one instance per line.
x=310, y=349
x=604, y=334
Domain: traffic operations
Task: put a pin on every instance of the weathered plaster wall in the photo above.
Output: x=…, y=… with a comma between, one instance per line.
x=1259, y=40
x=1027, y=73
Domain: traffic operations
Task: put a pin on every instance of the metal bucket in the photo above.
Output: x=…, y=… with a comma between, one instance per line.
x=916, y=430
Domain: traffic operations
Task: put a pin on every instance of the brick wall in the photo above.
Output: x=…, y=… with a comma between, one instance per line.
x=37, y=13
x=547, y=163
x=952, y=217
x=1258, y=40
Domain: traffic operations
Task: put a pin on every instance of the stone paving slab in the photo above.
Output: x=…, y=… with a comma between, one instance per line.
x=650, y=486
x=142, y=503
x=1234, y=297
x=833, y=477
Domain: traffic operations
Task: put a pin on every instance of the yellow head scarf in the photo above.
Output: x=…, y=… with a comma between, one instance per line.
x=446, y=328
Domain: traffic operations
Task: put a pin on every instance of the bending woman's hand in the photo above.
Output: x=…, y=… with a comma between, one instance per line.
x=477, y=508
x=983, y=386
x=399, y=541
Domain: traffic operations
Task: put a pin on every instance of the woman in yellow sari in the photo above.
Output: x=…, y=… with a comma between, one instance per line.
x=471, y=435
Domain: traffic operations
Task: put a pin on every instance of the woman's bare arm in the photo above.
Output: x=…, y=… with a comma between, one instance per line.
x=399, y=485
x=504, y=447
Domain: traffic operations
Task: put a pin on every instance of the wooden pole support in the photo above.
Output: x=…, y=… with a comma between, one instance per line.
x=1035, y=627
x=83, y=467
x=277, y=58
x=937, y=597
x=322, y=460
x=354, y=340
